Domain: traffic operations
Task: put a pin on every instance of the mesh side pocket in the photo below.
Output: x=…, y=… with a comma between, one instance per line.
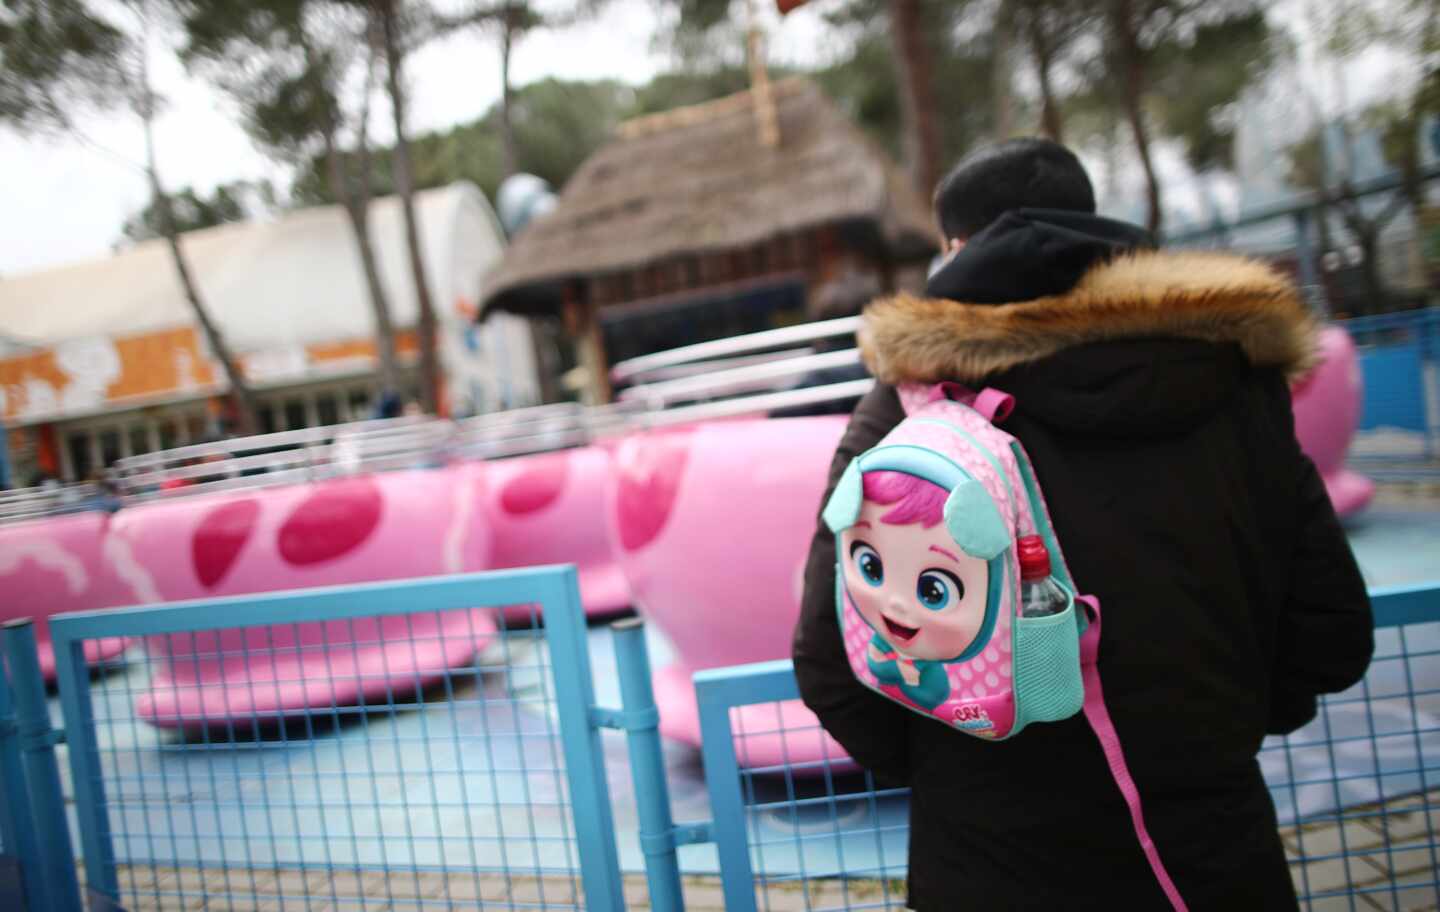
x=1048, y=686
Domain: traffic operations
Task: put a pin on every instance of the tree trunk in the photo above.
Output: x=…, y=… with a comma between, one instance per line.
x=395, y=58
x=1004, y=100
x=1378, y=296
x=911, y=55
x=240, y=393
x=357, y=208
x=1050, y=121
x=508, y=158
x=1133, y=86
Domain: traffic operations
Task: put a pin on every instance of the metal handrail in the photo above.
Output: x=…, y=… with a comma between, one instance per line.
x=741, y=379
x=522, y=415
x=696, y=368
x=296, y=437
x=31, y=503
x=270, y=459
x=756, y=405
x=728, y=371
x=628, y=371
x=20, y=495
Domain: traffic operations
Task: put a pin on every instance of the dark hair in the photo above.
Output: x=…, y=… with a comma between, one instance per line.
x=1016, y=174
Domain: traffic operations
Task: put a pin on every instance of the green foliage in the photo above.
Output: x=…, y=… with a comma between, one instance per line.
x=1199, y=77
x=865, y=87
x=702, y=15
x=964, y=75
x=1408, y=27
x=557, y=125
x=1305, y=162
x=677, y=89
x=283, y=61
x=192, y=211
x=57, y=59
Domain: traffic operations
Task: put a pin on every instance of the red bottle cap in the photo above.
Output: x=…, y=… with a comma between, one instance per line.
x=1034, y=559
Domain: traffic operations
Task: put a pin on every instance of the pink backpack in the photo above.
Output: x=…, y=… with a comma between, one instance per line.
x=928, y=583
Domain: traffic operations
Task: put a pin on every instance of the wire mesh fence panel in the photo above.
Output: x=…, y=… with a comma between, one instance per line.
x=14, y=804
x=1357, y=791
x=822, y=834
x=407, y=758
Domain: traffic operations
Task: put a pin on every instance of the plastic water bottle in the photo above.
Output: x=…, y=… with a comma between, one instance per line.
x=1040, y=595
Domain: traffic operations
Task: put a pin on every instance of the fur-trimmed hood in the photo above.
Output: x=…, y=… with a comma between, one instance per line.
x=1185, y=295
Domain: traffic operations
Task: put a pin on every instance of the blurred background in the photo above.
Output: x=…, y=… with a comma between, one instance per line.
x=232, y=218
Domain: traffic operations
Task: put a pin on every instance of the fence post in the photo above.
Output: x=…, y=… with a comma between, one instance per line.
x=72, y=675
x=37, y=745
x=580, y=740
x=17, y=820
x=647, y=767
x=1305, y=260
x=727, y=804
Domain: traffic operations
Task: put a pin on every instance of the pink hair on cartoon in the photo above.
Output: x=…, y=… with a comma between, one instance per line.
x=916, y=499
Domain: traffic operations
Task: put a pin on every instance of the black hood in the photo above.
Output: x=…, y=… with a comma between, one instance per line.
x=1032, y=253
x=1128, y=388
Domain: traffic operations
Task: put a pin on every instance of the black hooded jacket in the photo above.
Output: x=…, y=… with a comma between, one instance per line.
x=1152, y=397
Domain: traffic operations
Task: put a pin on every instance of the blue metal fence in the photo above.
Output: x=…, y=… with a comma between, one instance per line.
x=49, y=866
x=472, y=775
x=19, y=849
x=1357, y=790
x=438, y=758
x=1400, y=361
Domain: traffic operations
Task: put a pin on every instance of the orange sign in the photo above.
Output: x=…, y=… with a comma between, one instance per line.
x=81, y=375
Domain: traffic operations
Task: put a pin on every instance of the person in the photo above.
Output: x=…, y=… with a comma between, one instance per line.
x=388, y=405
x=107, y=491
x=1150, y=392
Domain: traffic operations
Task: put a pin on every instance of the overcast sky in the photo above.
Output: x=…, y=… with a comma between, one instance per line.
x=65, y=199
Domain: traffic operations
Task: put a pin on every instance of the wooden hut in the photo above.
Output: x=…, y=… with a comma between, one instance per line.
x=699, y=223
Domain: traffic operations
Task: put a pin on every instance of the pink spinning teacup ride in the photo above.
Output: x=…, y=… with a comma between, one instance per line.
x=364, y=528
x=711, y=510
x=712, y=524
x=1327, y=411
x=544, y=500
x=57, y=563
x=361, y=528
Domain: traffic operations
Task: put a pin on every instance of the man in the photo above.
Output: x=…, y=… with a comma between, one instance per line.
x=1151, y=395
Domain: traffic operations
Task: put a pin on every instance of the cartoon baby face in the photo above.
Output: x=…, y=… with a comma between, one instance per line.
x=913, y=585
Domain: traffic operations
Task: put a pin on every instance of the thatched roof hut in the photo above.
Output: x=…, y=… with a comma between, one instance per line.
x=694, y=203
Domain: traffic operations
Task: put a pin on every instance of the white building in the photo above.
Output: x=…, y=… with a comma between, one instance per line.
x=104, y=359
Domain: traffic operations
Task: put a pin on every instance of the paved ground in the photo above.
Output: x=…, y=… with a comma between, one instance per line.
x=1386, y=855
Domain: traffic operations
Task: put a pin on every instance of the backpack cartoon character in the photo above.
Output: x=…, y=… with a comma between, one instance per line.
x=929, y=526
x=928, y=575
x=925, y=599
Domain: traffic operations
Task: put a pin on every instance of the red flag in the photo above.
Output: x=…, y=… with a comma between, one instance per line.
x=788, y=5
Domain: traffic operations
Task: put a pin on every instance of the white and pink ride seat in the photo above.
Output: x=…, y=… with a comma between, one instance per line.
x=712, y=525
x=549, y=508
x=349, y=530
x=1327, y=412
x=57, y=564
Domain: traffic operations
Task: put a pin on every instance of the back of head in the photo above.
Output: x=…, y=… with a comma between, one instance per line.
x=1016, y=174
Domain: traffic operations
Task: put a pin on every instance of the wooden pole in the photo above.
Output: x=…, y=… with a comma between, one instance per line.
x=767, y=122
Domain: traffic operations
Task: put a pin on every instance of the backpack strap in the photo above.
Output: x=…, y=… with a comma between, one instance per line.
x=1099, y=718
x=995, y=405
